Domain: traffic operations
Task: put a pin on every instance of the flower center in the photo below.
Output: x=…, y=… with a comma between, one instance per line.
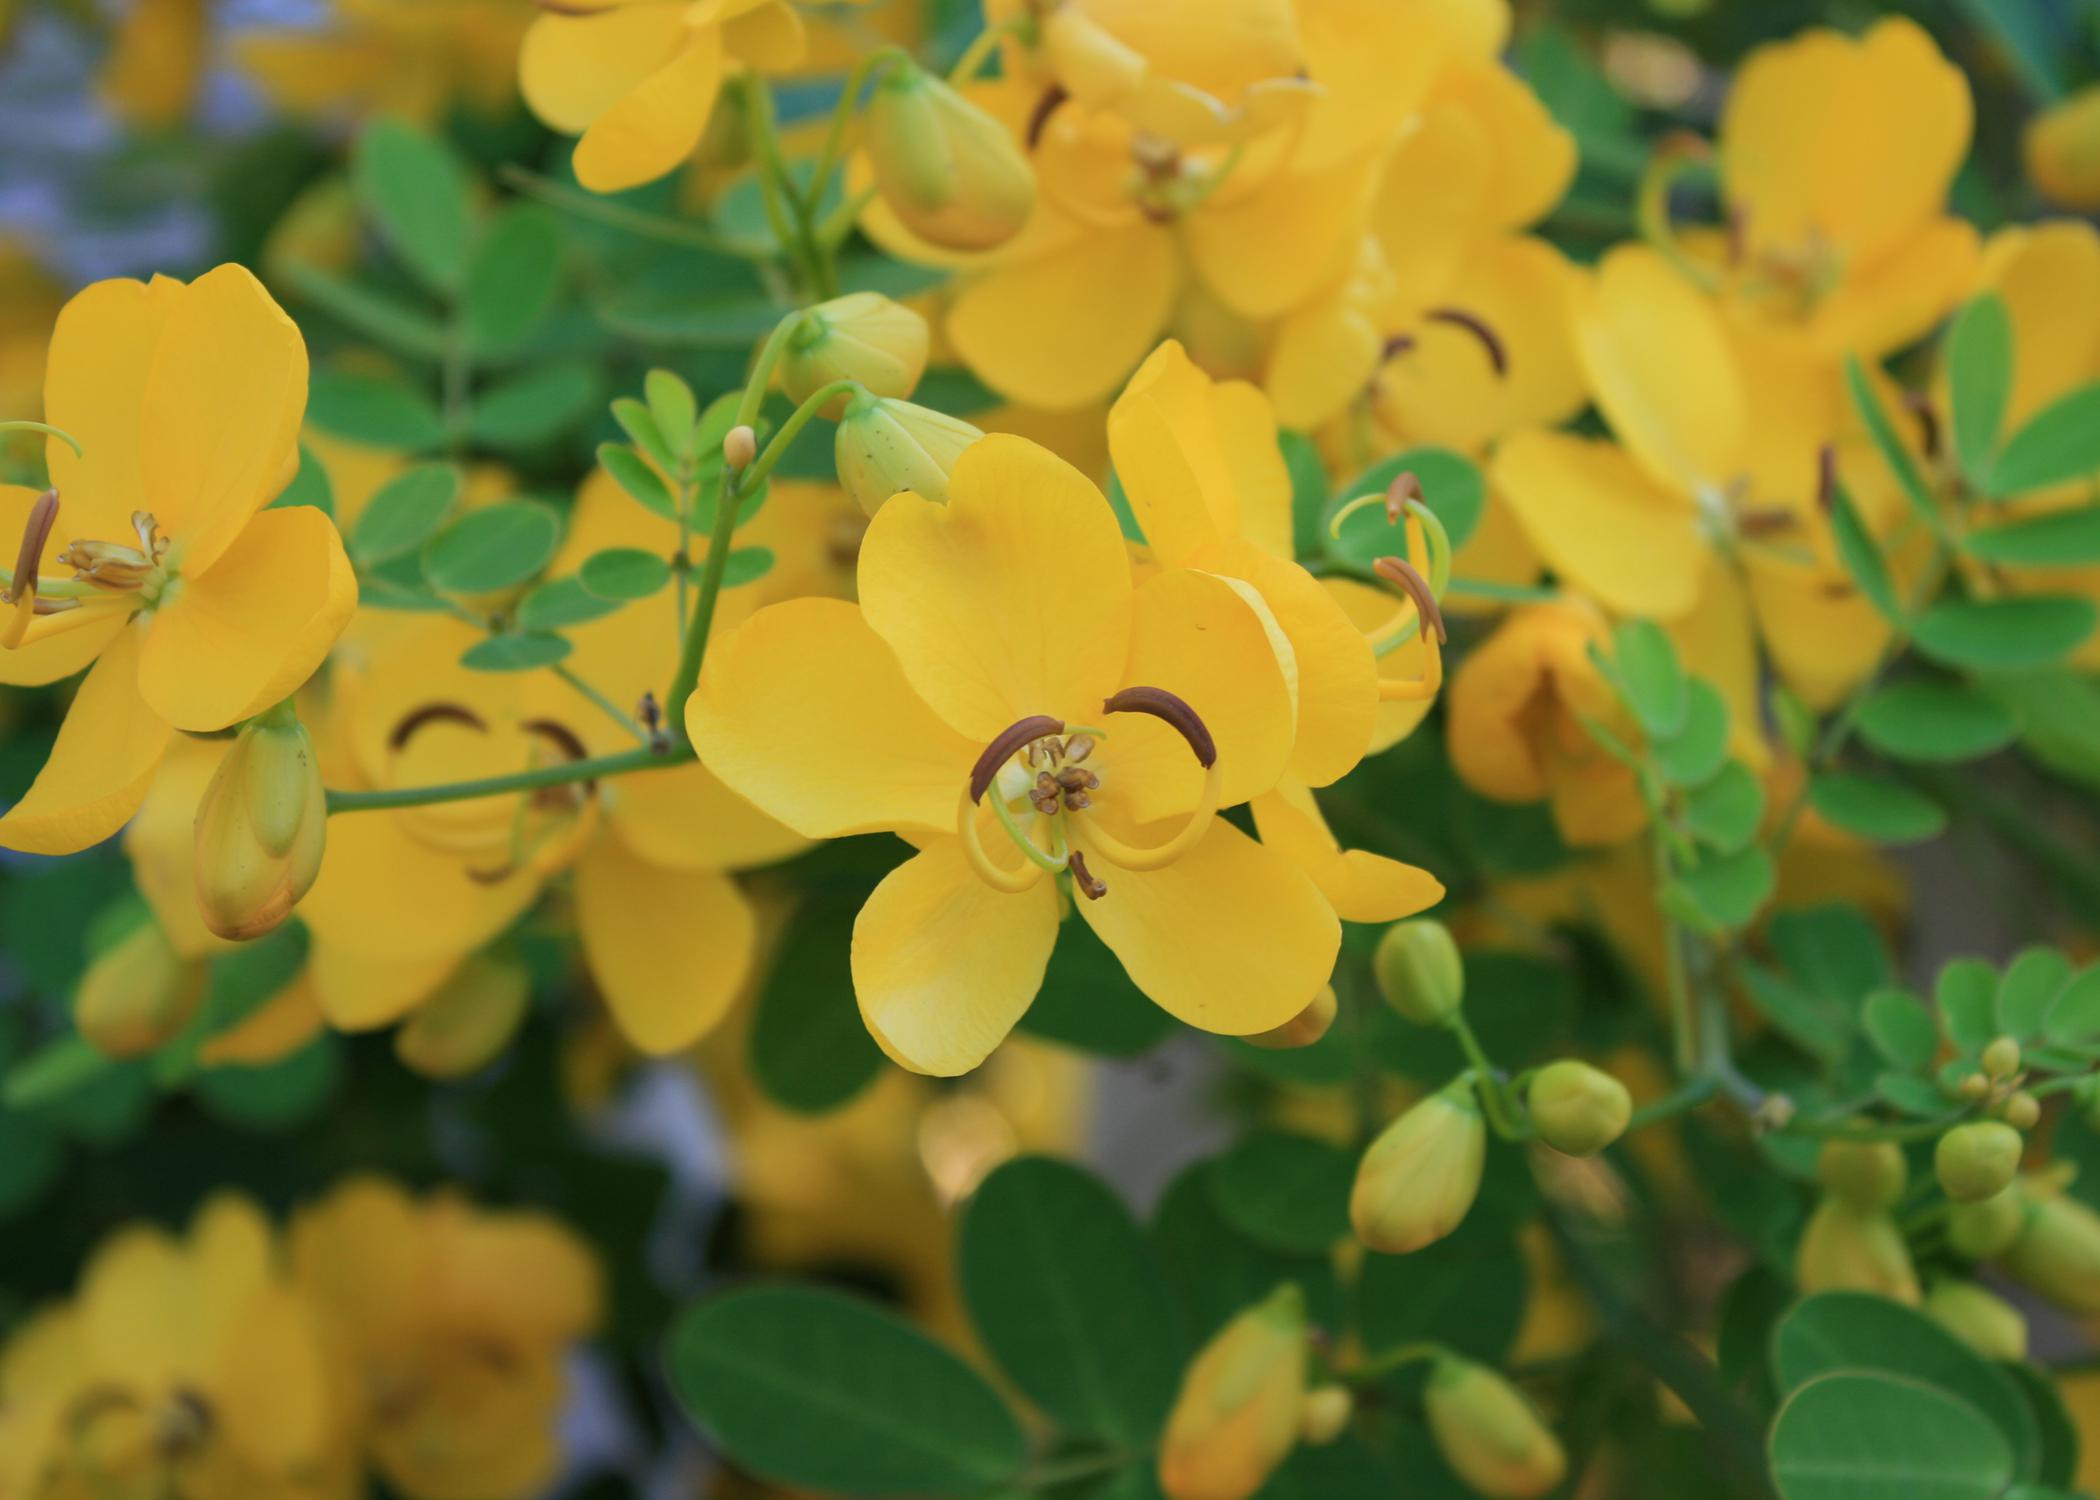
x=106, y=575
x=538, y=830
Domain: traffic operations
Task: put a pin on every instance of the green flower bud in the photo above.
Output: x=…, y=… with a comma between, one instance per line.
x=1977, y=1161
x=1419, y=971
x=1982, y=1319
x=1866, y=1174
x=261, y=828
x=137, y=994
x=2058, y=1251
x=1237, y=1416
x=886, y=446
x=1301, y=1030
x=1326, y=1414
x=1489, y=1434
x=470, y=1019
x=1845, y=1248
x=2001, y=1059
x=1987, y=1228
x=2023, y=1111
x=1578, y=1109
x=1419, y=1178
x=862, y=336
x=951, y=172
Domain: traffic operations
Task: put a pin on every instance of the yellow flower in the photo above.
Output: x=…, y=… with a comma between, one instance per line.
x=637, y=79
x=185, y=1367
x=153, y=71
x=1003, y=669
x=2061, y=146
x=452, y=1323
x=197, y=607
x=1517, y=704
x=391, y=57
x=1236, y=1418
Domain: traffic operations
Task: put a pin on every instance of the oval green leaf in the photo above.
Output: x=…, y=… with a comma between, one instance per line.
x=1859, y=1436
x=1285, y=1192
x=404, y=513
x=511, y=285
x=1696, y=753
x=496, y=547
x=2005, y=634
x=1654, y=684
x=1879, y=811
x=415, y=191
x=378, y=411
x=809, y=1049
x=2061, y=442
x=514, y=653
x=624, y=573
x=560, y=603
x=2061, y=539
x=1901, y=1029
x=1935, y=721
x=1979, y=372
x=532, y=409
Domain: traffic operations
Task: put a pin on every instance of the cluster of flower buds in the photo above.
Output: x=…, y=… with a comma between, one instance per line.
x=1852, y=1241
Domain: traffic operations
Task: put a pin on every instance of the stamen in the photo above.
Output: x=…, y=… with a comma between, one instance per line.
x=1473, y=323
x=433, y=713
x=1399, y=571
x=21, y=592
x=1405, y=487
x=1164, y=705
x=1078, y=748
x=1039, y=117
x=1005, y=746
x=1089, y=885
x=1013, y=882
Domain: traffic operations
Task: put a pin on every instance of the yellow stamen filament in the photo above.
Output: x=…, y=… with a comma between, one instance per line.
x=1013, y=881
x=1159, y=856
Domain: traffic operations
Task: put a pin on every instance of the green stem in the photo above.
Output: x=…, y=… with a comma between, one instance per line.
x=48, y=430
x=1488, y=1080
x=565, y=774
x=1687, y=1097
x=609, y=708
x=785, y=211
x=1417, y=1351
x=835, y=139
x=1078, y=1466
x=792, y=429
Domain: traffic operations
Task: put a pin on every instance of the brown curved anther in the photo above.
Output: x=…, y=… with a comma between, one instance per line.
x=564, y=739
x=1039, y=117
x=1405, y=487
x=36, y=531
x=1826, y=477
x=1162, y=704
x=1089, y=885
x=1399, y=571
x=1007, y=744
x=434, y=713
x=1398, y=344
x=1458, y=317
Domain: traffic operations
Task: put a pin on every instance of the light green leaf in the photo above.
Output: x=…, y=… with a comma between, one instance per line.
x=2027, y=989
x=1696, y=753
x=2061, y=442
x=403, y=513
x=1726, y=811
x=560, y=603
x=1912, y=1095
x=1929, y=720
x=2074, y=1015
x=378, y=411
x=636, y=477
x=1966, y=994
x=494, y=548
x=531, y=409
x=674, y=409
x=1879, y=811
x=515, y=653
x=53, y=1071
x=1730, y=889
x=1654, y=684
x=1861, y=555
x=624, y=573
x=1901, y=1029
x=1888, y=444
x=516, y=271
x=2060, y=539
x=415, y=191
x=2030, y=630
x=1979, y=371
x=746, y=565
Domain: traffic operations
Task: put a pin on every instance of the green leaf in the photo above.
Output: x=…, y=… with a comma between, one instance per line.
x=1859, y=1331
x=823, y=1391
x=494, y=548
x=2060, y=1438
x=1654, y=685
x=1979, y=373
x=1696, y=753
x=1858, y=1436
x=277, y=1096
x=810, y=1051
x=404, y=513
x=1931, y=720
x=1069, y=1298
x=415, y=191
x=2029, y=630
x=1879, y=811
x=2059, y=714
x=1911, y=1094
x=1308, y=473
x=560, y=603
x=2061, y=442
x=1088, y=1001
x=2074, y=1015
x=1861, y=555
x=515, y=653
x=1285, y=1192
x=531, y=409
x=1888, y=444
x=637, y=478
x=1468, y=1290
x=379, y=316
x=674, y=410
x=624, y=573
x=310, y=486
x=53, y=1071
x=379, y=411
x=1731, y=889
x=746, y=565
x=516, y=271
x=1966, y=994
x=2060, y=539
x=1901, y=1029
x=1216, y=1271
x=1726, y=811
x=1452, y=486
x=637, y=422
x=2027, y=989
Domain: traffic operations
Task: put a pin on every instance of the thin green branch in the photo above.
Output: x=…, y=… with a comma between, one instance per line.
x=565, y=774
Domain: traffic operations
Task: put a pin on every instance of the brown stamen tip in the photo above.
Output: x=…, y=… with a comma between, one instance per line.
x=1473, y=323
x=1399, y=571
x=563, y=738
x=1162, y=704
x=1039, y=117
x=1398, y=344
x=1826, y=477
x=1005, y=746
x=434, y=713
x=1920, y=406
x=36, y=532
x=1405, y=487
x=1089, y=886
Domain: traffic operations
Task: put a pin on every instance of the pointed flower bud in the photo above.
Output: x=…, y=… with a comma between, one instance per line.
x=137, y=994
x=1419, y=1178
x=469, y=1020
x=1977, y=1160
x=1578, y=1109
x=1982, y=1230
x=1237, y=1416
x=886, y=446
x=951, y=172
x=2057, y=1252
x=261, y=827
x=1303, y=1029
x=862, y=336
x=1325, y=1415
x=1489, y=1434
x=1980, y=1318
x=1846, y=1248
x=1419, y=971
x=1866, y=1174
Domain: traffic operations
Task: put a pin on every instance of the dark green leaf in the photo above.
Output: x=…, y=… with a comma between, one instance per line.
x=404, y=513
x=494, y=548
x=53, y=1071
x=1966, y=994
x=1979, y=372
x=415, y=191
x=810, y=1051
x=1859, y=1436
x=1655, y=686
x=1285, y=1192
x=1901, y=1029
x=1879, y=811
x=510, y=290
x=1215, y=1271
x=2008, y=634
x=1911, y=1094
x=1696, y=753
x=1930, y=720
x=1069, y=1298
x=624, y=573
x=1087, y=1001
x=1726, y=811
x=1308, y=471
x=2061, y=442
x=2074, y=1015
x=2060, y=1439
x=560, y=603
x=1468, y=1290
x=277, y=1096
x=379, y=411
x=515, y=653
x=379, y=316
x=2060, y=539
x=531, y=409
x=818, y=1390
x=310, y=486
x=746, y=565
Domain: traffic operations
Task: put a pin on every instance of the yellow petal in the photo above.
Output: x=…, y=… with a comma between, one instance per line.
x=359, y=992
x=2049, y=276
x=686, y=819
x=768, y=37
x=52, y=657
x=1232, y=937
x=219, y=424
x=273, y=1031
x=944, y=965
x=161, y=844
x=1823, y=636
x=1064, y=328
x=1662, y=370
x=101, y=765
x=390, y=898
x=1900, y=297
x=1374, y=62
x=573, y=68
x=1324, y=353
x=271, y=1387
x=657, y=123
x=1010, y=600
x=1270, y=250
x=669, y=949
x=1603, y=525
x=95, y=388
x=249, y=631
x=1534, y=156
x=1169, y=449
x=1361, y=886
x=805, y=713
